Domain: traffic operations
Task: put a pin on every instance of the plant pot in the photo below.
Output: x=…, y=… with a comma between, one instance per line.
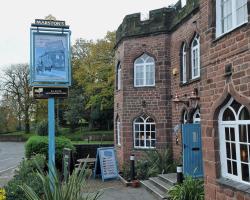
x=135, y=183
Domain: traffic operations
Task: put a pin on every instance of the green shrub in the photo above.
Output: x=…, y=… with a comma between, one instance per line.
x=189, y=189
x=39, y=145
x=155, y=162
x=25, y=175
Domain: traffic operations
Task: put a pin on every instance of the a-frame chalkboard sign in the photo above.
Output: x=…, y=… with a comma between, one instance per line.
x=106, y=163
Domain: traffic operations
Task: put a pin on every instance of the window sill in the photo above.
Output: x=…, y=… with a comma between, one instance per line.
x=190, y=82
x=234, y=184
x=144, y=149
x=143, y=86
x=218, y=38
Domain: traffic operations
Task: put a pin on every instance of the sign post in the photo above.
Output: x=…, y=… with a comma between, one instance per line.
x=50, y=71
x=51, y=124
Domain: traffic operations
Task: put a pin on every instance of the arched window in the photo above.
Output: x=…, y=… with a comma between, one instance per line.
x=118, y=132
x=185, y=117
x=234, y=130
x=195, y=57
x=196, y=116
x=118, y=76
x=144, y=132
x=144, y=71
x=184, y=63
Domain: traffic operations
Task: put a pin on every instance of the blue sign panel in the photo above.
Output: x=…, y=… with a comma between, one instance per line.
x=50, y=57
x=106, y=163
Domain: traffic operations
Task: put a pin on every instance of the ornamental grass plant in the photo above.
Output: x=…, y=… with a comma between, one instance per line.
x=190, y=189
x=54, y=189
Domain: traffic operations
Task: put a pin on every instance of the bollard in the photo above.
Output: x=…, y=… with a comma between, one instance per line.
x=132, y=167
x=179, y=174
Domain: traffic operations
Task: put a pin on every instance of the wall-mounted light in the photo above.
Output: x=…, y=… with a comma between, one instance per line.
x=190, y=101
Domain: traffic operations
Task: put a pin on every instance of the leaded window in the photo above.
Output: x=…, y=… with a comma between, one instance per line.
x=230, y=14
x=234, y=121
x=118, y=76
x=195, y=57
x=184, y=63
x=144, y=132
x=144, y=71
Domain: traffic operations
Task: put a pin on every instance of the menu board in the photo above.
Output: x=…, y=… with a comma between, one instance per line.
x=106, y=163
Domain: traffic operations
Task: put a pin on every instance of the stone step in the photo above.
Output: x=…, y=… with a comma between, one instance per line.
x=170, y=178
x=149, y=185
x=158, y=182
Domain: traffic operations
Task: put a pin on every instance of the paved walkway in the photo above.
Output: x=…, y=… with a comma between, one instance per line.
x=11, y=153
x=115, y=190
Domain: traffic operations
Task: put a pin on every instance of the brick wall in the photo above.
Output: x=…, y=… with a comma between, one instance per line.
x=231, y=49
x=183, y=34
x=157, y=98
x=214, y=87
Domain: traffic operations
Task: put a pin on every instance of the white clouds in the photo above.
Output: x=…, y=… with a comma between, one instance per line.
x=89, y=19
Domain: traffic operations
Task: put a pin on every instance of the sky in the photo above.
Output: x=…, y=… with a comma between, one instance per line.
x=88, y=19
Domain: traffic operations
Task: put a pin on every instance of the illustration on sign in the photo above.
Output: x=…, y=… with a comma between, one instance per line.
x=50, y=58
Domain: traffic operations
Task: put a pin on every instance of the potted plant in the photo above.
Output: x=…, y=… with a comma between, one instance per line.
x=135, y=183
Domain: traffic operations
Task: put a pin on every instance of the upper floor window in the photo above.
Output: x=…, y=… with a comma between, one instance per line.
x=144, y=132
x=144, y=71
x=184, y=63
x=195, y=57
x=230, y=14
x=118, y=76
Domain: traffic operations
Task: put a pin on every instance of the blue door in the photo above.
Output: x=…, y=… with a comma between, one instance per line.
x=192, y=150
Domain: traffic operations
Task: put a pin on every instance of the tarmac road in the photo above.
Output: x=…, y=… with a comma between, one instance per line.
x=11, y=153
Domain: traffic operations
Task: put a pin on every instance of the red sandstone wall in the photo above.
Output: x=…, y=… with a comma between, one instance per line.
x=233, y=48
x=184, y=33
x=157, y=98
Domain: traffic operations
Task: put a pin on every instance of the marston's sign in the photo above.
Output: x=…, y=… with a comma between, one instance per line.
x=54, y=23
x=47, y=92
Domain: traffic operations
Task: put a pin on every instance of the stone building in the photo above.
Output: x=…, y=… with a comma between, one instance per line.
x=183, y=81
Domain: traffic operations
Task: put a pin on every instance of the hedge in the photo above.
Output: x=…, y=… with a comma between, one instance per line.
x=39, y=145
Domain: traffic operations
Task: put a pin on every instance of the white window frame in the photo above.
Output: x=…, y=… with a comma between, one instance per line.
x=144, y=66
x=119, y=77
x=144, y=123
x=231, y=124
x=185, y=117
x=184, y=64
x=195, y=119
x=118, y=132
x=194, y=63
x=219, y=17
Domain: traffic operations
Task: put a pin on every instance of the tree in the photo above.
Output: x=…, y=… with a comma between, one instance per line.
x=93, y=70
x=75, y=108
x=15, y=85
